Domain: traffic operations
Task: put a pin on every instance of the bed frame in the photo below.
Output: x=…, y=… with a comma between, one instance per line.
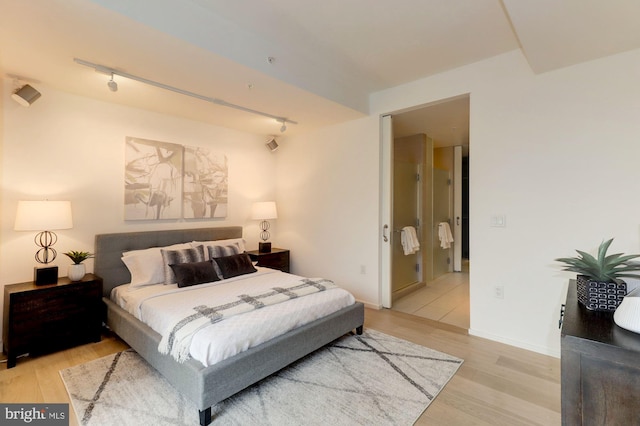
x=207, y=386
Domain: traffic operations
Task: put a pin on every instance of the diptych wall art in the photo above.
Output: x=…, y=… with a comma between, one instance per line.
x=205, y=184
x=170, y=181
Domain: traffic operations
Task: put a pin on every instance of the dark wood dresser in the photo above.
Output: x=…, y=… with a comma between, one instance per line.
x=275, y=259
x=46, y=318
x=600, y=368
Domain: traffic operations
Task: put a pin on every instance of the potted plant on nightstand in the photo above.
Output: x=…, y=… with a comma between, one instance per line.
x=599, y=284
x=77, y=270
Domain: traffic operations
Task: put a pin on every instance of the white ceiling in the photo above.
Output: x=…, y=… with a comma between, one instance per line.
x=329, y=55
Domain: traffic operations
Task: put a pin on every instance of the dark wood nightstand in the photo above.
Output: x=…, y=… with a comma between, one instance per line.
x=276, y=259
x=46, y=318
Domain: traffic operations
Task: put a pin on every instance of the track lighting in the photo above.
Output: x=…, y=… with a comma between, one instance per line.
x=113, y=86
x=26, y=95
x=272, y=144
x=283, y=128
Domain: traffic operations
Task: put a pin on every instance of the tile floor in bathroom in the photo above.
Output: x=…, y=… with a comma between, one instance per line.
x=445, y=299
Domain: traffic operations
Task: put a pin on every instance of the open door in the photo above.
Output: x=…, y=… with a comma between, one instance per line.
x=386, y=203
x=457, y=209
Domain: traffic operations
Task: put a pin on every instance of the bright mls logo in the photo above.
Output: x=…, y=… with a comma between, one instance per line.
x=36, y=414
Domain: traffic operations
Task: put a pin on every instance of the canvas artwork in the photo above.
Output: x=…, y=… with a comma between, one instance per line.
x=153, y=180
x=169, y=181
x=206, y=184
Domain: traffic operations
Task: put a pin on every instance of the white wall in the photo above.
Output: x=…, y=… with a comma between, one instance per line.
x=557, y=153
x=328, y=205
x=67, y=147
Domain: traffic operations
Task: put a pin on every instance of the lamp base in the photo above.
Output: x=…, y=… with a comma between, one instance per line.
x=45, y=275
x=264, y=247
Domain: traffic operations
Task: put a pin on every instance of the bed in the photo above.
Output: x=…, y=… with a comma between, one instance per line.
x=208, y=385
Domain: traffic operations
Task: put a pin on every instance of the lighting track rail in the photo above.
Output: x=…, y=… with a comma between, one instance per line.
x=113, y=71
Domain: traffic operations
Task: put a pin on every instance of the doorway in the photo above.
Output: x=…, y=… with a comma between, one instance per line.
x=431, y=289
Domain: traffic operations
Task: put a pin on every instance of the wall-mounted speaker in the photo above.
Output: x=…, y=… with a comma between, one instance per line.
x=26, y=95
x=272, y=145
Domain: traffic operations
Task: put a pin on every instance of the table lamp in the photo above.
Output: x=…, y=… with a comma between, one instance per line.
x=44, y=216
x=264, y=211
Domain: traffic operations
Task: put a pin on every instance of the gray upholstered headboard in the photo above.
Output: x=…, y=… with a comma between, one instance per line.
x=109, y=248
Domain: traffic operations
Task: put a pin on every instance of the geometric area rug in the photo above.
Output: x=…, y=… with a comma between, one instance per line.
x=372, y=379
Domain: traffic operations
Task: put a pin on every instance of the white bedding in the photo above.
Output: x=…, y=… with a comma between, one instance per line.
x=150, y=304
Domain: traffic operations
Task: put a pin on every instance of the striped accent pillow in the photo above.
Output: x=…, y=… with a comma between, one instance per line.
x=173, y=257
x=216, y=252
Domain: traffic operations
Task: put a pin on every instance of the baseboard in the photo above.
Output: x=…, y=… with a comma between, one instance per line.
x=377, y=307
x=408, y=289
x=517, y=343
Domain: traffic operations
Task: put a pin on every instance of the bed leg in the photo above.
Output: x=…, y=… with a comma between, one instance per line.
x=205, y=416
x=359, y=330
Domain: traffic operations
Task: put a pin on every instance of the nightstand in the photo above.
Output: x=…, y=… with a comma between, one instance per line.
x=276, y=259
x=46, y=318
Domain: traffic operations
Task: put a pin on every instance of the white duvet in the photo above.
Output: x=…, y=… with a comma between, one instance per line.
x=157, y=306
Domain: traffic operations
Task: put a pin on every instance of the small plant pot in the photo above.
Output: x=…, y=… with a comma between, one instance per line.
x=600, y=296
x=76, y=272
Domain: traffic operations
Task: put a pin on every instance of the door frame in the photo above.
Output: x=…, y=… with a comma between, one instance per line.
x=386, y=201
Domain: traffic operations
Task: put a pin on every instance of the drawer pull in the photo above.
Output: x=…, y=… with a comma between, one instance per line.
x=561, y=315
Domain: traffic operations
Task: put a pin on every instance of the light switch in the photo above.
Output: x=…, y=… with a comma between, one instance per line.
x=499, y=221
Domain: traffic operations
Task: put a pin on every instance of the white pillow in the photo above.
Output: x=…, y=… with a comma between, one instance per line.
x=231, y=241
x=146, y=266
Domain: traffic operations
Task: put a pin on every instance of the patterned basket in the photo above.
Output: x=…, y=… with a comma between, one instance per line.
x=599, y=296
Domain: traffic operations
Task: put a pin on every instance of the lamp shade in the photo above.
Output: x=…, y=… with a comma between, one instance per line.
x=264, y=210
x=43, y=215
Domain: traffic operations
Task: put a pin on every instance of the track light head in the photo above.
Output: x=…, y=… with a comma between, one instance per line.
x=26, y=95
x=272, y=144
x=113, y=86
x=284, y=124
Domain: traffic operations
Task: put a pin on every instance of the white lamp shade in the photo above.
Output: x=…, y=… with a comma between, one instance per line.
x=43, y=215
x=264, y=210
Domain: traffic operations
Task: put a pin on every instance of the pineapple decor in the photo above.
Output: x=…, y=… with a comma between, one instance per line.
x=599, y=283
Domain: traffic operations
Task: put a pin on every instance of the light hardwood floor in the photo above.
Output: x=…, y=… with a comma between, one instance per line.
x=496, y=385
x=445, y=299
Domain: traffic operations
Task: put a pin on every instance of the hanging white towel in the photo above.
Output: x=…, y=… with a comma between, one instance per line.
x=409, y=240
x=444, y=233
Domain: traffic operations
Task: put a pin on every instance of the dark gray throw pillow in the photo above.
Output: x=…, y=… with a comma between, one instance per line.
x=188, y=274
x=234, y=265
x=222, y=251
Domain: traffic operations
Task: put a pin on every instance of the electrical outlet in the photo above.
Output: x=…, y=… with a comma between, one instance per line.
x=499, y=221
x=498, y=291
